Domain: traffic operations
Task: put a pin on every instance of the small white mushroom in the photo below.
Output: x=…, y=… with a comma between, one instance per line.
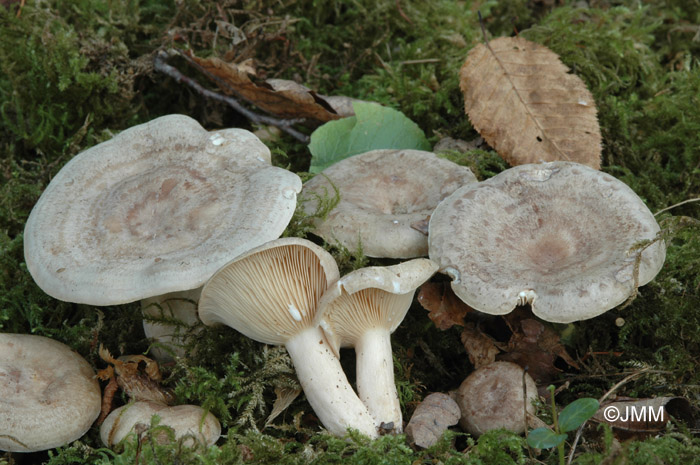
x=49, y=395
x=492, y=397
x=362, y=311
x=270, y=294
x=382, y=193
x=187, y=421
x=559, y=236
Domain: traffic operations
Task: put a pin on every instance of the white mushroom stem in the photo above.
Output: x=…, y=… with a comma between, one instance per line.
x=375, y=377
x=326, y=387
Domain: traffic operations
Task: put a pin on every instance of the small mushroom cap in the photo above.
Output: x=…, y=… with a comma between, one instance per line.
x=158, y=208
x=180, y=306
x=560, y=236
x=185, y=420
x=48, y=394
x=269, y=293
x=371, y=297
x=382, y=193
x=492, y=398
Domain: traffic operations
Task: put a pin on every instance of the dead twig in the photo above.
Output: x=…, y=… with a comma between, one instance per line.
x=159, y=63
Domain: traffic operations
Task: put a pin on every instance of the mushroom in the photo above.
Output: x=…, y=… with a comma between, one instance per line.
x=493, y=397
x=170, y=337
x=157, y=209
x=187, y=421
x=361, y=311
x=382, y=193
x=270, y=294
x=48, y=394
x=569, y=240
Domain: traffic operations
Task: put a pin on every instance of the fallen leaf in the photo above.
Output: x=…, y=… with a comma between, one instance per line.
x=535, y=346
x=527, y=105
x=282, y=98
x=373, y=127
x=446, y=309
x=285, y=397
x=481, y=348
x=431, y=418
x=640, y=418
x=422, y=225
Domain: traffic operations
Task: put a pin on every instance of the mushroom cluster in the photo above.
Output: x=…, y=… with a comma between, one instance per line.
x=288, y=292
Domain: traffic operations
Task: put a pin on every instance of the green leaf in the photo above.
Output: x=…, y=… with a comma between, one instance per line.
x=576, y=413
x=544, y=438
x=373, y=127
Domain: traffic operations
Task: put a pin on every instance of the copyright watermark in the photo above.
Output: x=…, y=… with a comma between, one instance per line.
x=645, y=413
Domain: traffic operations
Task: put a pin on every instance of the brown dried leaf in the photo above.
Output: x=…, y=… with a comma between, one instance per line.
x=446, y=309
x=285, y=397
x=481, y=348
x=639, y=418
x=525, y=103
x=535, y=346
x=431, y=418
x=282, y=98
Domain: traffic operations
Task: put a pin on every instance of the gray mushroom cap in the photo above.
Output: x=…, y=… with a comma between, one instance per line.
x=48, y=394
x=382, y=193
x=560, y=236
x=157, y=209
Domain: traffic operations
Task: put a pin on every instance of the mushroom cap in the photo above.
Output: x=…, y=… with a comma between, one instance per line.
x=492, y=398
x=180, y=306
x=382, y=192
x=560, y=236
x=185, y=420
x=48, y=394
x=156, y=209
x=269, y=293
x=368, y=298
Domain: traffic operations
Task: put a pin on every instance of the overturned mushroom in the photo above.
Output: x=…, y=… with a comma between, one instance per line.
x=569, y=240
x=187, y=421
x=495, y=396
x=48, y=394
x=361, y=311
x=156, y=209
x=382, y=193
x=270, y=294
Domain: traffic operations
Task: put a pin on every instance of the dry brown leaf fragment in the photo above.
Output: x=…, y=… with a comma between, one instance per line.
x=480, y=347
x=282, y=98
x=525, y=103
x=535, y=346
x=640, y=418
x=431, y=418
x=284, y=398
x=446, y=309
x=137, y=375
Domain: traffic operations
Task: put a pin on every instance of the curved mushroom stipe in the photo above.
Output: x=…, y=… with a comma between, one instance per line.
x=271, y=294
x=361, y=311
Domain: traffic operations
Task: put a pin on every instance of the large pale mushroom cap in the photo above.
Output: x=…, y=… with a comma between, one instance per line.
x=560, y=236
x=158, y=208
x=370, y=298
x=48, y=394
x=382, y=193
x=269, y=293
x=188, y=421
